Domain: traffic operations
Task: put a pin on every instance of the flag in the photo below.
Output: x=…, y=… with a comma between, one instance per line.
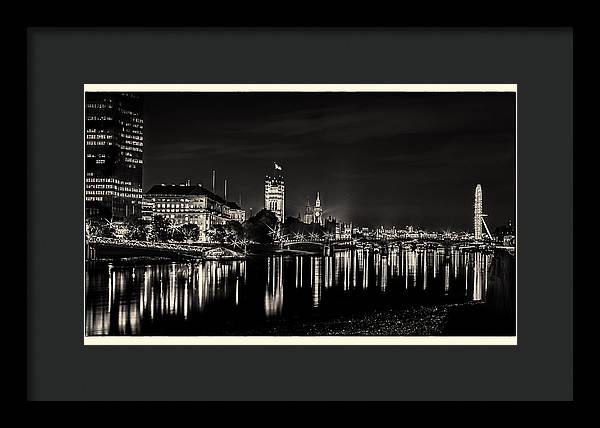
x=277, y=166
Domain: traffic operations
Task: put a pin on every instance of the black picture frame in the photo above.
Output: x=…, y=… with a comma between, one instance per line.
x=540, y=61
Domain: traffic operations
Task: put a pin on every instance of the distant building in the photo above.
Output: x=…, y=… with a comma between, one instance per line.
x=314, y=215
x=343, y=231
x=505, y=234
x=509, y=240
x=186, y=203
x=387, y=233
x=114, y=142
x=339, y=230
x=318, y=211
x=308, y=214
x=364, y=232
x=234, y=212
x=275, y=193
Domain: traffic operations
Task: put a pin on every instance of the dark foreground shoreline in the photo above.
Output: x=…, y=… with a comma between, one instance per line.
x=455, y=319
x=461, y=319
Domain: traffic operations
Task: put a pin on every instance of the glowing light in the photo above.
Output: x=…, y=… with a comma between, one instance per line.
x=478, y=212
x=317, y=278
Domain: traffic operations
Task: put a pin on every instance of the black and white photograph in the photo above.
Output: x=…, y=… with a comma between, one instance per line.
x=309, y=214
x=221, y=215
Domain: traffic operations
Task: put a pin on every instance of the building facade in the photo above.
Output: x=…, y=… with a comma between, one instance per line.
x=345, y=231
x=314, y=215
x=114, y=146
x=308, y=214
x=275, y=195
x=339, y=230
x=234, y=212
x=147, y=208
x=187, y=203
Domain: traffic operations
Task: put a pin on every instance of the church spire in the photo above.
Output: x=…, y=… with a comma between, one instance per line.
x=318, y=211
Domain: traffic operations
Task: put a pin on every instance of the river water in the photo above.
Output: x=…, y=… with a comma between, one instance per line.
x=245, y=297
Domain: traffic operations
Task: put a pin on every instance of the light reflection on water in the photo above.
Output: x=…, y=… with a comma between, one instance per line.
x=126, y=299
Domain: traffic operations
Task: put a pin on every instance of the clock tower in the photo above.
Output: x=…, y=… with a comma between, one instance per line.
x=318, y=211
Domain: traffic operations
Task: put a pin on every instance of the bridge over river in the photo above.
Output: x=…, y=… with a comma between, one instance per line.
x=239, y=248
x=94, y=244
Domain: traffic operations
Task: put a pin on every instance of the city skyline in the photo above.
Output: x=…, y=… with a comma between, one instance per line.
x=451, y=142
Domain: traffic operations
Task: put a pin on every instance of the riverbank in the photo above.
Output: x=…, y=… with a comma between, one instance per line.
x=426, y=320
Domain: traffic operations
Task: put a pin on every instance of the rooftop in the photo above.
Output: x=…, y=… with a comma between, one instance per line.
x=185, y=190
x=233, y=205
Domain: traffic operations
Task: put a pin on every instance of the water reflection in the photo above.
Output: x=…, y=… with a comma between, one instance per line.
x=138, y=299
x=316, y=279
x=274, y=288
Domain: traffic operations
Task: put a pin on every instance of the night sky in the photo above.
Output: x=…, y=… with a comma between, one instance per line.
x=376, y=158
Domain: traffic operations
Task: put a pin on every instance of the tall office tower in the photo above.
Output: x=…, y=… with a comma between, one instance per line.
x=478, y=215
x=318, y=212
x=275, y=193
x=114, y=143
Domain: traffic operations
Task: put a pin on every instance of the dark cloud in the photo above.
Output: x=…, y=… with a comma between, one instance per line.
x=376, y=158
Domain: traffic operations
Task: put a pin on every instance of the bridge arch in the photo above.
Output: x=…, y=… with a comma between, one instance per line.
x=300, y=243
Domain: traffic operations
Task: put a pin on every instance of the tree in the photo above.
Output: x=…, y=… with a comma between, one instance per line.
x=257, y=227
x=175, y=233
x=94, y=226
x=216, y=233
x=266, y=217
x=293, y=226
x=137, y=229
x=226, y=233
x=99, y=226
x=160, y=228
x=234, y=230
x=190, y=231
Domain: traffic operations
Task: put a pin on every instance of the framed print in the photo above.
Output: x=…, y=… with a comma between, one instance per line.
x=182, y=261
x=300, y=214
